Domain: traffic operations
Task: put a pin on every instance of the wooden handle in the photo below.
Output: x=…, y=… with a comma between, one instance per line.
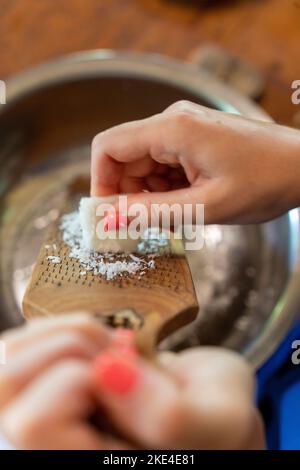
x=148, y=336
x=150, y=330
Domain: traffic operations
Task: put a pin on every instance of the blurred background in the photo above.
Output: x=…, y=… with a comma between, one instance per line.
x=248, y=284
x=263, y=32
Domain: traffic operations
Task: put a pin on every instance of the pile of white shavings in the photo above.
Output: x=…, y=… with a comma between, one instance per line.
x=108, y=265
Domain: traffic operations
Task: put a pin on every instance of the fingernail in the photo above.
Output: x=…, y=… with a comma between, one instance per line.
x=115, y=375
x=115, y=221
x=123, y=341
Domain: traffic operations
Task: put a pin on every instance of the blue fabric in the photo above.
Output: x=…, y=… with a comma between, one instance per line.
x=278, y=396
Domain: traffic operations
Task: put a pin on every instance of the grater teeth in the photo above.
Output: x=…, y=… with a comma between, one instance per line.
x=61, y=284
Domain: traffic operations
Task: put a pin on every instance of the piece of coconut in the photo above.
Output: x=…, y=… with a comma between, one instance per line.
x=96, y=236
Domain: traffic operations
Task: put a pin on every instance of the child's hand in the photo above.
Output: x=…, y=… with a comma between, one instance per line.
x=47, y=390
x=60, y=370
x=242, y=170
x=199, y=399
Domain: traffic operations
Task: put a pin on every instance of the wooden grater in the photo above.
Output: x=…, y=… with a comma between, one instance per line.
x=154, y=305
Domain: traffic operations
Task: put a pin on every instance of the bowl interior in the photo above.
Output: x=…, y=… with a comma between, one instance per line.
x=46, y=135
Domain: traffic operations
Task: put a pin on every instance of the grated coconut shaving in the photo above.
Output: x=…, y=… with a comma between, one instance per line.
x=108, y=265
x=54, y=259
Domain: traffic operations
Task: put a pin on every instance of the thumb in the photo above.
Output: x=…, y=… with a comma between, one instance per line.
x=140, y=398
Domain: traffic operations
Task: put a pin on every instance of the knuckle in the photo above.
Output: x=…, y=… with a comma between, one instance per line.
x=97, y=142
x=183, y=119
x=181, y=105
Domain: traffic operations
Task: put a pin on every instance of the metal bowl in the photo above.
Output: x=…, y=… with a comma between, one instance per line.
x=247, y=277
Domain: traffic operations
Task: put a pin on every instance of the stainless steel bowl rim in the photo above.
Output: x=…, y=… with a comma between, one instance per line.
x=188, y=76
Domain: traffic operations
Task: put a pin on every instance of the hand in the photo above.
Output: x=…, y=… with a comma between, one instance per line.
x=61, y=370
x=47, y=392
x=244, y=171
x=199, y=399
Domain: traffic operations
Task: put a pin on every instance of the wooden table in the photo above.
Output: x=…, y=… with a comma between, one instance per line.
x=265, y=32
